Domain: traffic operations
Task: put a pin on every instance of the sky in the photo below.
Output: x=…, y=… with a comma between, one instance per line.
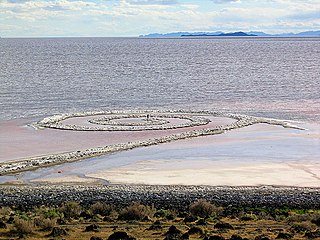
x=121, y=18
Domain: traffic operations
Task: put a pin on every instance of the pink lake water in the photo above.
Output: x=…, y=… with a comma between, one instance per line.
x=256, y=155
x=268, y=77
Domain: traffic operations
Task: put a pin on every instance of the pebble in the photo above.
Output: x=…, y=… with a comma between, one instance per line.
x=161, y=196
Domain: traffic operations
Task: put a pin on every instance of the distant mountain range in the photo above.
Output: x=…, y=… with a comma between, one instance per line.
x=232, y=34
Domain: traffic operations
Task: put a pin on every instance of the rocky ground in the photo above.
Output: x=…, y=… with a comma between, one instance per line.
x=173, y=197
x=169, y=213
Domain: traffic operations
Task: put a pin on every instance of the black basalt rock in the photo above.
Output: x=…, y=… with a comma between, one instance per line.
x=316, y=221
x=283, y=235
x=58, y=232
x=201, y=222
x=236, y=237
x=85, y=215
x=92, y=228
x=155, y=226
x=190, y=219
x=195, y=230
x=10, y=220
x=215, y=237
x=173, y=233
x=3, y=225
x=185, y=236
x=95, y=238
x=222, y=225
x=261, y=237
x=312, y=235
x=120, y=236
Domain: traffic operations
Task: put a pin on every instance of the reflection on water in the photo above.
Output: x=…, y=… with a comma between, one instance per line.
x=255, y=144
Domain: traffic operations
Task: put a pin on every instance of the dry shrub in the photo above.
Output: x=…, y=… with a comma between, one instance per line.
x=136, y=211
x=203, y=208
x=5, y=211
x=315, y=218
x=45, y=223
x=23, y=226
x=71, y=210
x=101, y=208
x=303, y=227
x=298, y=218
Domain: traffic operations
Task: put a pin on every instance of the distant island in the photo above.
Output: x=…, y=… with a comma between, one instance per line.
x=232, y=34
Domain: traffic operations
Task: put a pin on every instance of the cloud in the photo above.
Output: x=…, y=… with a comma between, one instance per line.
x=224, y=1
x=18, y=1
x=152, y=2
x=135, y=17
x=313, y=14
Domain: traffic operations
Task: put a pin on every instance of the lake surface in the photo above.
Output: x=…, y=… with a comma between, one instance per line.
x=272, y=77
x=269, y=77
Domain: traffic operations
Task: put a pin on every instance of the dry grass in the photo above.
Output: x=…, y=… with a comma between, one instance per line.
x=38, y=226
x=45, y=223
x=249, y=229
x=4, y=211
x=23, y=226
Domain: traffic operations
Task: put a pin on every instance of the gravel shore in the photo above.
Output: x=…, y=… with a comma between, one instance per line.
x=177, y=197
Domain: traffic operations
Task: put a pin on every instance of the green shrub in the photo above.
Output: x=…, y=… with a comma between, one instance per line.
x=136, y=211
x=52, y=213
x=48, y=212
x=168, y=214
x=71, y=210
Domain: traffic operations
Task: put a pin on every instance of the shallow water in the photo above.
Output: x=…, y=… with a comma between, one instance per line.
x=18, y=141
x=246, y=156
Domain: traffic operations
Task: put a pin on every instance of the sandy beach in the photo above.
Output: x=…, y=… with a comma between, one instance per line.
x=206, y=173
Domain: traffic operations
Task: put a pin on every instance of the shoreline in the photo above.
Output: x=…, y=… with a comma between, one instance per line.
x=173, y=196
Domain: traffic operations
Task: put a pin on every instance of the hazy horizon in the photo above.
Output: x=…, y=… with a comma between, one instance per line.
x=131, y=18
